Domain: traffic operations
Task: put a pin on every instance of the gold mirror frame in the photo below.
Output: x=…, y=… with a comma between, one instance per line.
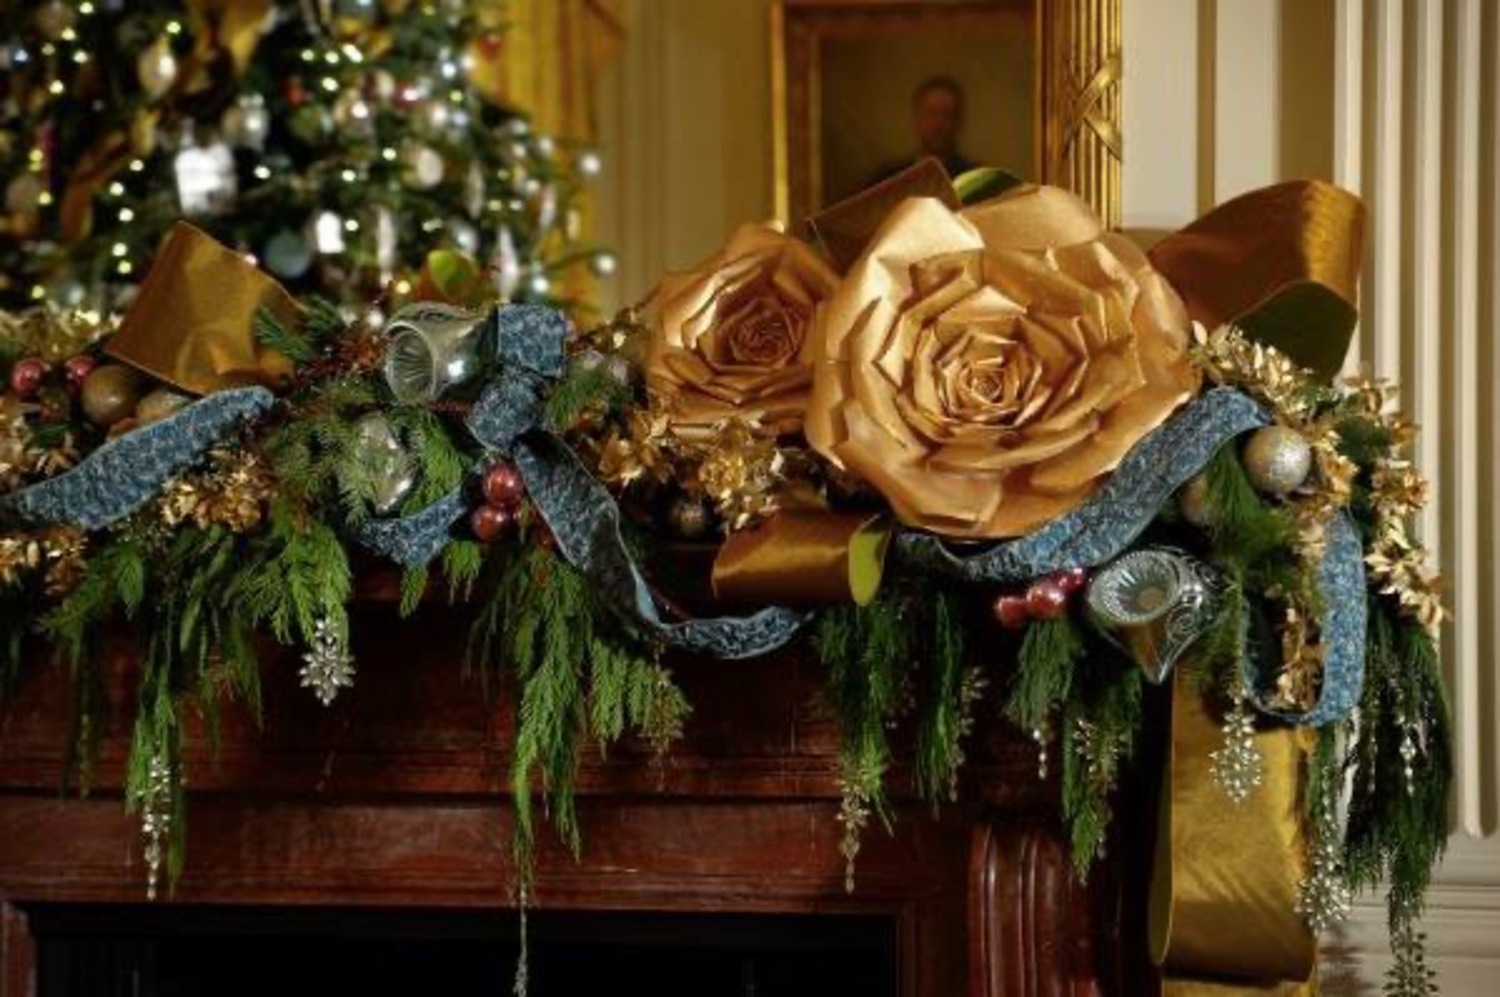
x=1078, y=88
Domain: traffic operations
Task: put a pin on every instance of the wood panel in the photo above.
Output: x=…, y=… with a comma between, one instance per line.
x=397, y=797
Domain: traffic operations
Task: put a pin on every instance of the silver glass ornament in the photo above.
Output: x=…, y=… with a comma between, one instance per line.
x=207, y=182
x=1154, y=603
x=389, y=470
x=247, y=122
x=431, y=347
x=422, y=166
x=1278, y=460
x=156, y=69
x=327, y=231
x=505, y=264
x=386, y=241
x=287, y=254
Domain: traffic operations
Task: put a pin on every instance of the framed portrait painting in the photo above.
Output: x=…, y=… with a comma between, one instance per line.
x=864, y=88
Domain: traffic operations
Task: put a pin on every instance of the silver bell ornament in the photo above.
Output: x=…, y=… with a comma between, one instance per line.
x=1278, y=460
x=1154, y=603
x=389, y=470
x=430, y=347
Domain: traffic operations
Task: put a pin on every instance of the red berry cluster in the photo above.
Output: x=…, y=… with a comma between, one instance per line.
x=503, y=490
x=29, y=378
x=1044, y=599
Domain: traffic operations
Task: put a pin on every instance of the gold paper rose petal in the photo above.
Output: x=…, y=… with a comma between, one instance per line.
x=984, y=370
x=731, y=338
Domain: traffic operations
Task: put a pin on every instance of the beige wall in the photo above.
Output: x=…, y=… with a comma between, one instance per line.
x=1397, y=99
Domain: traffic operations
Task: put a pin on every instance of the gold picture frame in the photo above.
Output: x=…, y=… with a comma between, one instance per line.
x=1076, y=56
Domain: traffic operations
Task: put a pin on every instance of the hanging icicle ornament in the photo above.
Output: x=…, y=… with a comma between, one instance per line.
x=1238, y=766
x=1042, y=736
x=155, y=802
x=1324, y=898
x=327, y=666
x=1409, y=751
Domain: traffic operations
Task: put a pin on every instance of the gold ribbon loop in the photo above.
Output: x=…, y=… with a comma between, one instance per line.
x=193, y=320
x=1224, y=886
x=1281, y=262
x=804, y=558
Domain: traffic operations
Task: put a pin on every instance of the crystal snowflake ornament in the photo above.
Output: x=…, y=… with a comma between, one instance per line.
x=1238, y=765
x=327, y=666
x=1324, y=898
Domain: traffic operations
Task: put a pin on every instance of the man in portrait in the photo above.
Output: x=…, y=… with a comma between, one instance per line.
x=937, y=118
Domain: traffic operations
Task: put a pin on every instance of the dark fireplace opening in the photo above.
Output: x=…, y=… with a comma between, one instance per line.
x=187, y=951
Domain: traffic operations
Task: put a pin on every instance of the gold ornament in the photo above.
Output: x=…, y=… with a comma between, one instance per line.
x=156, y=69
x=1278, y=460
x=738, y=471
x=233, y=493
x=110, y=393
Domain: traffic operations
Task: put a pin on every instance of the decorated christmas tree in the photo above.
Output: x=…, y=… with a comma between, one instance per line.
x=336, y=142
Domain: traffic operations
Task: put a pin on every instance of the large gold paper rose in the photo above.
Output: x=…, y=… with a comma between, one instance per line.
x=732, y=337
x=985, y=369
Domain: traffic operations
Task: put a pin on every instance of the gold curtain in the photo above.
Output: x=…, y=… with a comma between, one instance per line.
x=549, y=61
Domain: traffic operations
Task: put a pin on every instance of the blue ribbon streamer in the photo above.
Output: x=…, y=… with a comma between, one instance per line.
x=1102, y=528
x=124, y=473
x=507, y=418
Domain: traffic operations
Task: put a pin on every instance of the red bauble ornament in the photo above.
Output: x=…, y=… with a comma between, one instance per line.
x=26, y=376
x=503, y=485
x=1072, y=580
x=490, y=522
x=1011, y=611
x=78, y=368
x=1046, y=600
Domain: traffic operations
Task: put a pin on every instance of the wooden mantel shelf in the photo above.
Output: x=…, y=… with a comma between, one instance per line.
x=397, y=796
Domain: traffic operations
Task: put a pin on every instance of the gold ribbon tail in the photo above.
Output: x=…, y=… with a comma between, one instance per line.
x=1281, y=262
x=804, y=558
x=193, y=321
x=1224, y=883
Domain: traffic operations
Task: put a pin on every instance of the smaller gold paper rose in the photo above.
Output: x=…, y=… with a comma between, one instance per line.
x=731, y=338
x=984, y=370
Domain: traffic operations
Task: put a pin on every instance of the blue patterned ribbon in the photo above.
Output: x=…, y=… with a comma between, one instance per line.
x=124, y=473
x=507, y=418
x=1103, y=527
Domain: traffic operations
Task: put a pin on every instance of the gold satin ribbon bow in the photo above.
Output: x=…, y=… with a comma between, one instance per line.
x=804, y=557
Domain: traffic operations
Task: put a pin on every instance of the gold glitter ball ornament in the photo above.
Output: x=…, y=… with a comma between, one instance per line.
x=1278, y=460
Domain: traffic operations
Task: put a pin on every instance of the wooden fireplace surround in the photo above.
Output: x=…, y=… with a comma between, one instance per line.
x=396, y=797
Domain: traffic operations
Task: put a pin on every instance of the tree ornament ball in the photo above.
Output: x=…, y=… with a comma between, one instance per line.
x=26, y=376
x=55, y=17
x=1071, y=580
x=78, y=369
x=156, y=69
x=1010, y=610
x=1046, y=600
x=690, y=519
x=110, y=393
x=158, y=404
x=503, y=485
x=489, y=523
x=1192, y=502
x=1278, y=460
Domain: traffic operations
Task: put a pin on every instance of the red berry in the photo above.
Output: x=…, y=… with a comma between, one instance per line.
x=1010, y=610
x=26, y=376
x=545, y=538
x=78, y=368
x=490, y=522
x=1046, y=600
x=503, y=485
x=1071, y=580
